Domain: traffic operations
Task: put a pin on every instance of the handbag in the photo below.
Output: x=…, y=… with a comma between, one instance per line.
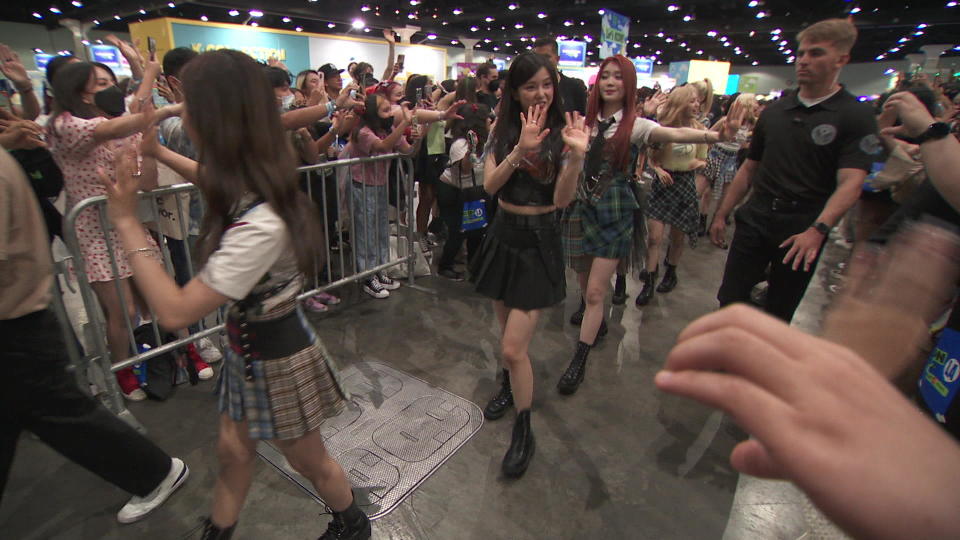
x=474, y=201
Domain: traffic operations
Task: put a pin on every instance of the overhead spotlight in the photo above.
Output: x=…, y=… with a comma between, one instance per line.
x=699, y=51
x=299, y=29
x=37, y=15
x=754, y=63
x=474, y=29
x=855, y=10
x=601, y=11
x=587, y=38
x=762, y=14
x=204, y=18
x=77, y=3
x=753, y=3
x=331, y=25
x=233, y=13
x=54, y=9
x=507, y=44
x=254, y=24
x=489, y=19
x=453, y=42
x=117, y=17
x=285, y=19
x=673, y=7
x=486, y=40
x=518, y=26
x=357, y=24
x=143, y=12
x=256, y=13
x=366, y=29
x=712, y=33
x=457, y=11
x=85, y=42
x=568, y=23
x=96, y=22
x=171, y=5
x=660, y=34
x=921, y=26
x=512, y=7
x=541, y=15
x=687, y=18
x=414, y=2
x=431, y=36
x=951, y=4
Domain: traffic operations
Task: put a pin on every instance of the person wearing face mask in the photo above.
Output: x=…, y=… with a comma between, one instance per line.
x=82, y=138
x=280, y=81
x=376, y=133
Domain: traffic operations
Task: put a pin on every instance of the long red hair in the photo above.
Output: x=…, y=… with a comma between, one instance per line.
x=617, y=148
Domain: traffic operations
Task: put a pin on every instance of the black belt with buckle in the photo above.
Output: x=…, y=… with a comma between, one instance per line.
x=788, y=206
x=267, y=339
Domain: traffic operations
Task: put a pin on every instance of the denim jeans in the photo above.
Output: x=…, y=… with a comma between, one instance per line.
x=370, y=225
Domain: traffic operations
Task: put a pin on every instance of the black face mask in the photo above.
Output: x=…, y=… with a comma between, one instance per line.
x=110, y=100
x=387, y=123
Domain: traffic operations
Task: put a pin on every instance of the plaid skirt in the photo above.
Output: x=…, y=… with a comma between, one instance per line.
x=287, y=397
x=721, y=168
x=604, y=229
x=678, y=204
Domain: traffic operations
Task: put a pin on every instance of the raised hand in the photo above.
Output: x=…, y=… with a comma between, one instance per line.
x=317, y=97
x=389, y=35
x=123, y=187
x=733, y=121
x=651, y=106
x=344, y=100
x=13, y=69
x=575, y=134
x=451, y=112
x=21, y=135
x=531, y=128
x=914, y=117
x=149, y=143
x=131, y=53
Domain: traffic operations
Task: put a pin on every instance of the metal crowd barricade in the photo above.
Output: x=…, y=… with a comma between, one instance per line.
x=165, y=213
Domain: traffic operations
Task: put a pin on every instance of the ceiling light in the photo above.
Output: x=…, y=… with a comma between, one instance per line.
x=54, y=9
x=366, y=29
x=414, y=2
x=921, y=26
x=762, y=14
x=37, y=15
x=699, y=51
x=508, y=44
x=669, y=40
x=233, y=13
x=776, y=31
x=96, y=22
x=712, y=33
x=889, y=71
x=518, y=26
x=453, y=42
x=77, y=3
x=753, y=3
x=673, y=7
x=473, y=28
x=486, y=40
x=755, y=63
x=143, y=12
x=918, y=33
x=660, y=35
x=331, y=25
x=687, y=18
x=204, y=18
x=541, y=15
x=117, y=17
x=286, y=19
x=568, y=23
x=600, y=12
x=299, y=29
x=431, y=36
x=457, y=11
x=254, y=23
x=855, y=10
x=587, y=38
x=951, y=4
x=489, y=19
x=512, y=7
x=357, y=24
x=256, y=13
x=365, y=8
x=496, y=48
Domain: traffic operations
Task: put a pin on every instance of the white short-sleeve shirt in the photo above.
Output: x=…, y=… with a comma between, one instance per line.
x=642, y=128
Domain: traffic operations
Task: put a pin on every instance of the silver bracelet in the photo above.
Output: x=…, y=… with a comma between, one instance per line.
x=148, y=250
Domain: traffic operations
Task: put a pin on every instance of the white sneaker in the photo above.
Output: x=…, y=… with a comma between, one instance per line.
x=208, y=351
x=136, y=395
x=387, y=283
x=139, y=507
x=375, y=289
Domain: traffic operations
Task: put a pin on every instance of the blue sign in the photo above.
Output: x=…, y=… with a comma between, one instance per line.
x=260, y=43
x=614, y=29
x=41, y=60
x=940, y=379
x=105, y=54
x=679, y=71
x=572, y=53
x=644, y=65
x=733, y=84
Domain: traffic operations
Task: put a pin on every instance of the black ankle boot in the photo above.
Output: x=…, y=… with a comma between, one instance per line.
x=669, y=279
x=577, y=369
x=620, y=290
x=350, y=524
x=500, y=402
x=646, y=292
x=212, y=532
x=577, y=316
x=518, y=456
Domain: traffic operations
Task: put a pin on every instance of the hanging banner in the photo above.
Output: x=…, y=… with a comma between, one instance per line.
x=572, y=53
x=644, y=66
x=614, y=31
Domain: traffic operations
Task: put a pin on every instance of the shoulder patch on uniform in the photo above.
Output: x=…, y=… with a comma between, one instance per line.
x=870, y=144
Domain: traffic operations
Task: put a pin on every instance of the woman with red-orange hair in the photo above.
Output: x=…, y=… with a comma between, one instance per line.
x=598, y=228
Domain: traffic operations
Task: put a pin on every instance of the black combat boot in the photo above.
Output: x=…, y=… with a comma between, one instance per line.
x=646, y=292
x=577, y=369
x=501, y=402
x=577, y=316
x=669, y=279
x=620, y=290
x=522, y=445
x=212, y=532
x=350, y=524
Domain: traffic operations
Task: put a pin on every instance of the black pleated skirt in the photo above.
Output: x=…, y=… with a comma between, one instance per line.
x=521, y=261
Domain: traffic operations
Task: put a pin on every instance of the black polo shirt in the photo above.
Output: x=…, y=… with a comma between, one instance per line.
x=800, y=148
x=573, y=95
x=489, y=100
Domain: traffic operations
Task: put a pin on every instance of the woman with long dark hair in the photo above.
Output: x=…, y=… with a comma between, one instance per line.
x=86, y=127
x=532, y=164
x=599, y=227
x=277, y=382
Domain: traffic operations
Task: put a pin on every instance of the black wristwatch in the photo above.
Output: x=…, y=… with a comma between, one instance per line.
x=822, y=228
x=935, y=132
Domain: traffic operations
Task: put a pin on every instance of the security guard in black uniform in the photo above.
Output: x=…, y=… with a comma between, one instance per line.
x=810, y=153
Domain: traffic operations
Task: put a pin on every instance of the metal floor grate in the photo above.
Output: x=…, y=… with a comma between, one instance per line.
x=396, y=431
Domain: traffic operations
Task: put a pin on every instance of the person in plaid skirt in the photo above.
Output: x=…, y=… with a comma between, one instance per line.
x=598, y=228
x=674, y=199
x=277, y=381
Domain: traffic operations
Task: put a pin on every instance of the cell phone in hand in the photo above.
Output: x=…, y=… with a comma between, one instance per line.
x=419, y=96
x=399, y=64
x=152, y=46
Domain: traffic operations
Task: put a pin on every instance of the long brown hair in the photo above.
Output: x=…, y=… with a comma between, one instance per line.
x=617, y=147
x=243, y=150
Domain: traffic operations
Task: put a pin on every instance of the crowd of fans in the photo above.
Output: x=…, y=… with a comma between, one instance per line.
x=684, y=180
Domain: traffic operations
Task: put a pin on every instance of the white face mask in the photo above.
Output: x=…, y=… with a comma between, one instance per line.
x=286, y=103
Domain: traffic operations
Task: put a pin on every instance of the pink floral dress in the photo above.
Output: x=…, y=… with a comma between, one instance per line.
x=70, y=140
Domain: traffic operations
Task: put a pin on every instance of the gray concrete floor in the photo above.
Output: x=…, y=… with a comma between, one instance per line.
x=617, y=460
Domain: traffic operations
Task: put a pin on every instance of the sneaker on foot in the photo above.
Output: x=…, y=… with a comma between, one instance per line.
x=208, y=351
x=204, y=371
x=327, y=298
x=129, y=385
x=373, y=287
x=315, y=305
x=387, y=283
x=138, y=507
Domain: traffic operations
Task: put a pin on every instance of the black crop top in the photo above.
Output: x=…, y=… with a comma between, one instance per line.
x=522, y=189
